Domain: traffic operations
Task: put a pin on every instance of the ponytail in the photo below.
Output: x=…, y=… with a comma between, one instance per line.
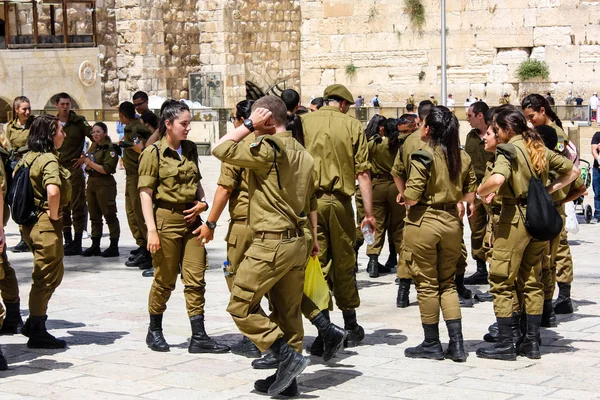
x=443, y=131
x=536, y=149
x=294, y=124
x=391, y=132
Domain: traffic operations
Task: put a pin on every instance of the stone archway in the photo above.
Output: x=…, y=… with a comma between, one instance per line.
x=51, y=103
x=5, y=109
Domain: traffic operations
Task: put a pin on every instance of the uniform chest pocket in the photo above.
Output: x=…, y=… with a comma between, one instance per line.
x=168, y=175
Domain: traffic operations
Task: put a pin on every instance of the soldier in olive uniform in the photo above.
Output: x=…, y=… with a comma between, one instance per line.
x=440, y=176
x=411, y=99
x=505, y=99
x=52, y=191
x=9, y=286
x=17, y=133
x=412, y=142
x=338, y=145
x=172, y=199
x=101, y=163
x=475, y=148
x=516, y=254
x=280, y=178
x=76, y=129
x=134, y=140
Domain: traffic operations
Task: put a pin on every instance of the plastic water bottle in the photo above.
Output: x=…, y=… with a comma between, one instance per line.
x=226, y=269
x=368, y=234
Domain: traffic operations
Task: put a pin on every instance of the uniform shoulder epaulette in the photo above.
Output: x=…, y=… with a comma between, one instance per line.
x=508, y=150
x=402, y=137
x=561, y=143
x=422, y=156
x=376, y=138
x=264, y=138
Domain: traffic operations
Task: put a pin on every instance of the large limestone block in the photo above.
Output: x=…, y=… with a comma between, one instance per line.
x=538, y=53
x=559, y=56
x=589, y=54
x=337, y=8
x=511, y=56
x=552, y=36
x=502, y=38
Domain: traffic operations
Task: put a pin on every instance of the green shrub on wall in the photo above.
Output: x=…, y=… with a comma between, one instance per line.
x=530, y=69
x=416, y=11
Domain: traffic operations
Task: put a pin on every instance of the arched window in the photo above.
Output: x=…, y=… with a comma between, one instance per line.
x=51, y=23
x=5, y=109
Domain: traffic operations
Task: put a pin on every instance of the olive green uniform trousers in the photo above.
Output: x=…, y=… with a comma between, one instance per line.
x=9, y=287
x=336, y=234
x=133, y=209
x=239, y=238
x=563, y=259
x=558, y=255
x=46, y=240
x=179, y=248
x=388, y=214
x=101, y=196
x=274, y=267
x=431, y=251
x=478, y=223
x=516, y=260
x=74, y=213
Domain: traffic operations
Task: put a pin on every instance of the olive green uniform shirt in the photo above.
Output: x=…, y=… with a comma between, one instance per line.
x=338, y=145
x=17, y=136
x=411, y=144
x=236, y=178
x=136, y=129
x=176, y=179
x=105, y=154
x=429, y=178
x=497, y=201
x=380, y=156
x=45, y=171
x=3, y=185
x=76, y=130
x=475, y=148
x=280, y=173
x=513, y=162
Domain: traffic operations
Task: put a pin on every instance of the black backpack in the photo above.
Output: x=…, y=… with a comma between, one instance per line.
x=20, y=196
x=543, y=222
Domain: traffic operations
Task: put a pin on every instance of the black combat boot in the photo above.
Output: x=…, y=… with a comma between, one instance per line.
x=456, y=348
x=402, y=299
x=148, y=273
x=563, y=304
x=75, y=248
x=463, y=292
x=503, y=348
x=262, y=386
x=155, y=339
x=68, y=237
x=113, y=249
x=200, y=341
x=3, y=363
x=548, y=315
x=135, y=252
x=94, y=250
x=356, y=333
x=332, y=336
x=430, y=348
x=39, y=338
x=483, y=297
x=12, y=321
x=26, y=329
x=392, y=261
x=21, y=247
x=291, y=364
x=492, y=335
x=245, y=348
x=480, y=277
x=268, y=361
x=140, y=260
x=530, y=345
x=373, y=266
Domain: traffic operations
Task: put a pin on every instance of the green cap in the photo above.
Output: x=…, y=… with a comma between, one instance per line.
x=338, y=91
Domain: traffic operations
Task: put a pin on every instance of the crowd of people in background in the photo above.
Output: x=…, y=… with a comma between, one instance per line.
x=290, y=175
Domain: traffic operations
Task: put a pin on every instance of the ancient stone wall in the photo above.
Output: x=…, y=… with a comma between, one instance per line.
x=487, y=40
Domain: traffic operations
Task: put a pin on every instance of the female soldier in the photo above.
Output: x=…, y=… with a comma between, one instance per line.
x=169, y=179
x=17, y=132
x=9, y=287
x=538, y=112
x=383, y=149
x=101, y=163
x=521, y=157
x=440, y=176
x=52, y=191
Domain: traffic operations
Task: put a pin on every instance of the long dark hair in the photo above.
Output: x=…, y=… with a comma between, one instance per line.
x=390, y=128
x=510, y=119
x=294, y=124
x=536, y=102
x=443, y=132
x=43, y=128
x=243, y=109
x=373, y=125
x=170, y=110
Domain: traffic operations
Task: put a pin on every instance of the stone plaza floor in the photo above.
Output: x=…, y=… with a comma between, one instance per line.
x=100, y=309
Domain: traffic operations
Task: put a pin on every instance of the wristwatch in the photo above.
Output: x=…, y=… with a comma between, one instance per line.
x=211, y=225
x=478, y=196
x=248, y=124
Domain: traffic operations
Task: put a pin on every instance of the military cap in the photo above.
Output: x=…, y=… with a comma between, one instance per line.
x=338, y=91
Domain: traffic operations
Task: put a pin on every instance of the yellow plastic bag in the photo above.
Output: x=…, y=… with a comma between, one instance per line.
x=315, y=286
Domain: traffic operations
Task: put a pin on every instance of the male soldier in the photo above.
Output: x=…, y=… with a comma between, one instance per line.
x=140, y=102
x=136, y=135
x=291, y=98
x=475, y=148
x=280, y=179
x=411, y=100
x=411, y=144
x=338, y=144
x=70, y=156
